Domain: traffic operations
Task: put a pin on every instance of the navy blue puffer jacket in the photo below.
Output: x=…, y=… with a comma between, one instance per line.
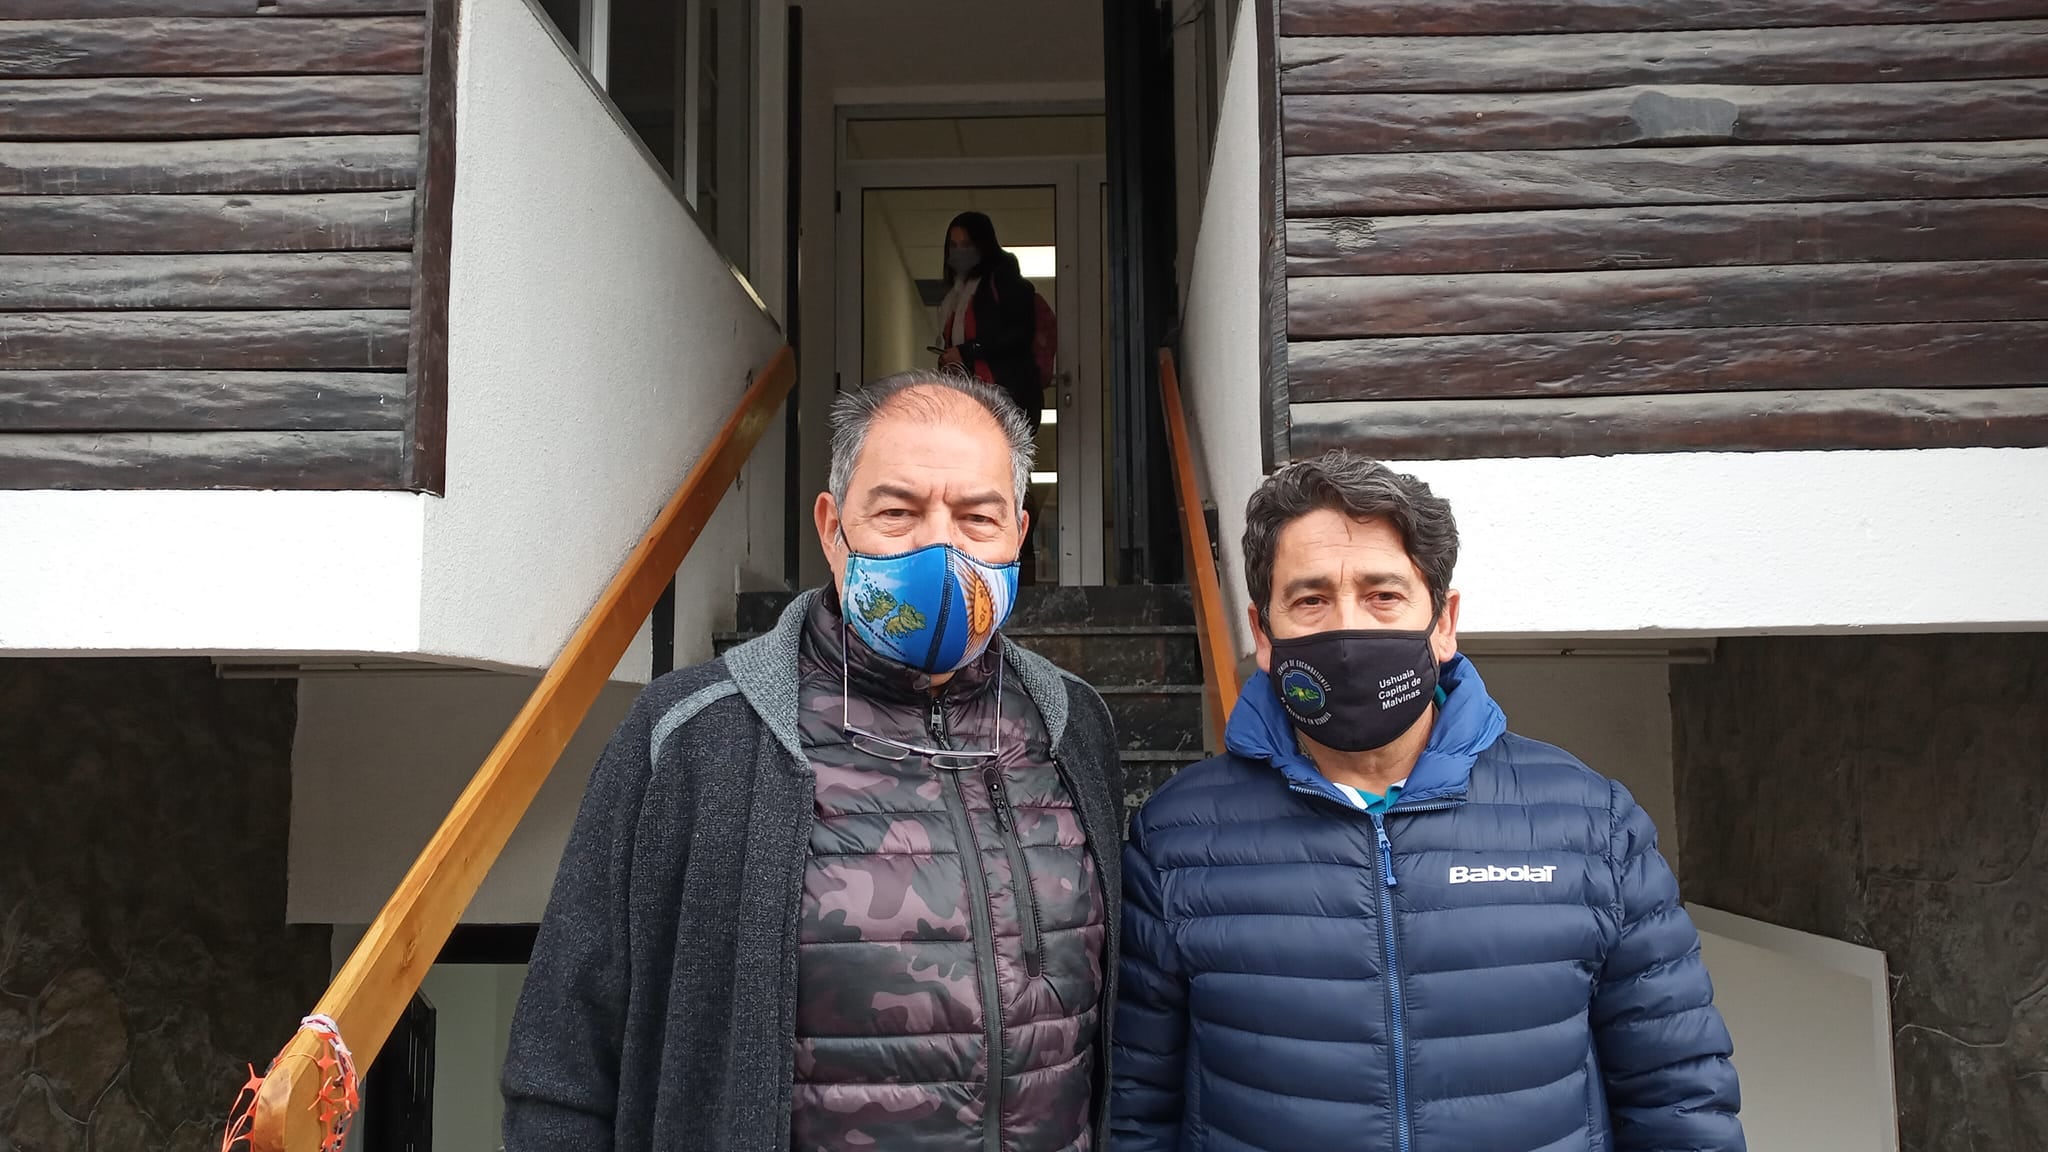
x=1499, y=964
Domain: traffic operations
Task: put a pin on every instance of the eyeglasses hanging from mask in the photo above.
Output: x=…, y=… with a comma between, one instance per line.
x=934, y=609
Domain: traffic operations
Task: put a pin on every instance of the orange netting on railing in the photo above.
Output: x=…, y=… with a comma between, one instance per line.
x=336, y=1106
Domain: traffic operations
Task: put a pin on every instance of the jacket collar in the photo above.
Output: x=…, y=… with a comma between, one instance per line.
x=874, y=676
x=1468, y=722
x=765, y=671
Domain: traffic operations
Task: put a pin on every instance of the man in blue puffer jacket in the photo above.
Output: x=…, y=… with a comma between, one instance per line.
x=1382, y=921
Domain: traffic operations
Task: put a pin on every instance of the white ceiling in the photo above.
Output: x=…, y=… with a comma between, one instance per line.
x=979, y=137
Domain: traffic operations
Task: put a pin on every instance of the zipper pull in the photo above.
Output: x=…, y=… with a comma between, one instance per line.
x=1379, y=827
x=998, y=798
x=936, y=721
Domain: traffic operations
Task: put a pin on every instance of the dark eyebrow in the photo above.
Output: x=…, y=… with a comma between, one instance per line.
x=978, y=499
x=1306, y=584
x=1384, y=579
x=894, y=492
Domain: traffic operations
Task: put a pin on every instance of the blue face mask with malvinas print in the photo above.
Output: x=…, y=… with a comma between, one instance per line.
x=934, y=609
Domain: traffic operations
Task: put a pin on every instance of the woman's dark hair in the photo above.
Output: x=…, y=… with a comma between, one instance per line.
x=981, y=232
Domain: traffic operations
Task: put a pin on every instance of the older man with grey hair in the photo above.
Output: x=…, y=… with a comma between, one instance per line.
x=856, y=883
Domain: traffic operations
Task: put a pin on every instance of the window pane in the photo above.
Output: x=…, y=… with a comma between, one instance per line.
x=645, y=72
x=568, y=19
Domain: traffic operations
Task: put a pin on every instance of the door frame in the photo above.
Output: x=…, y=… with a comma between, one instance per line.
x=1075, y=390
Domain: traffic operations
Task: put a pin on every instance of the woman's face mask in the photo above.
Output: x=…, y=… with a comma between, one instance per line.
x=963, y=259
x=934, y=608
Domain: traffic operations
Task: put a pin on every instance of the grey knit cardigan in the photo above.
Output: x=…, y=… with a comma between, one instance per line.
x=659, y=1008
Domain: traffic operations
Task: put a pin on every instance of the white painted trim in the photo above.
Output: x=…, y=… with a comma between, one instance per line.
x=1068, y=314
x=1867, y=964
x=597, y=40
x=1087, y=358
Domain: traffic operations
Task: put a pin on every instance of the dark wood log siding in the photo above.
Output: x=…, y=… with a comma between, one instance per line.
x=1522, y=227
x=201, y=401
x=1457, y=17
x=207, y=229
x=174, y=46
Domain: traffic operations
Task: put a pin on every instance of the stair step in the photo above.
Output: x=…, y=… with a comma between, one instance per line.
x=1167, y=654
x=1126, y=605
x=1157, y=717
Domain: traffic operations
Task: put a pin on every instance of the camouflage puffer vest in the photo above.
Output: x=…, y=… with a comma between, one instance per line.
x=949, y=969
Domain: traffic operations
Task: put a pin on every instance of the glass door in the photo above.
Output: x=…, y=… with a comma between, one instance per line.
x=892, y=227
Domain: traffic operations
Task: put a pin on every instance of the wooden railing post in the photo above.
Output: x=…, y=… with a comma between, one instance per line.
x=1212, y=623
x=378, y=981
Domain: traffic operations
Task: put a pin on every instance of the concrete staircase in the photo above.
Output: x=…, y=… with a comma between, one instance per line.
x=1135, y=644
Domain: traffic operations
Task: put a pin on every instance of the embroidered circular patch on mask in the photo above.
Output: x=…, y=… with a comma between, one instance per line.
x=1302, y=690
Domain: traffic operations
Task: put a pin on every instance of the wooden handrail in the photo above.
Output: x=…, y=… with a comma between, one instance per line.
x=374, y=987
x=1212, y=624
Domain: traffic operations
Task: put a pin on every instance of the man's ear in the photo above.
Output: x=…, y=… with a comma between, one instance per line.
x=825, y=512
x=1262, y=644
x=1443, y=639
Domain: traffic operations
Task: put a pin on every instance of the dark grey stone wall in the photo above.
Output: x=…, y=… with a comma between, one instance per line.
x=144, y=957
x=1892, y=791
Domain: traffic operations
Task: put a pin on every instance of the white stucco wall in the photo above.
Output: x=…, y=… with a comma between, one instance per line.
x=1723, y=543
x=118, y=573
x=1615, y=717
x=597, y=341
x=377, y=762
x=1219, y=356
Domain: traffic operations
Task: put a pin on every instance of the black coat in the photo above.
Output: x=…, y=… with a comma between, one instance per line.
x=1005, y=327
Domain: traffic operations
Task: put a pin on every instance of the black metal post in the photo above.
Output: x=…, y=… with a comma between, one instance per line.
x=664, y=629
x=1138, y=85
x=792, y=199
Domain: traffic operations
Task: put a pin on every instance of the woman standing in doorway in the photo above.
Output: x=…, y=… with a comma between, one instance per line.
x=989, y=317
x=987, y=325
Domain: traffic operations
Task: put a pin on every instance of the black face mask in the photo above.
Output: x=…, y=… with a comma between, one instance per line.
x=1358, y=689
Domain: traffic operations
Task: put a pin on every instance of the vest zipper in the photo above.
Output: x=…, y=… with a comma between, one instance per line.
x=1032, y=927
x=984, y=935
x=1398, y=1025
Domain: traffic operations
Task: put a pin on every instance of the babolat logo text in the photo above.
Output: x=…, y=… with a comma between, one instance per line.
x=1493, y=874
